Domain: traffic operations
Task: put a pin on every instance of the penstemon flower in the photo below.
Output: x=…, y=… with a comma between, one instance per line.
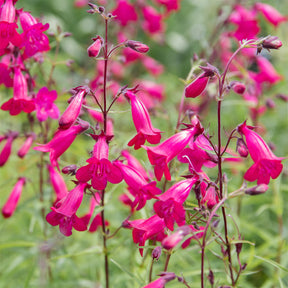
x=266, y=164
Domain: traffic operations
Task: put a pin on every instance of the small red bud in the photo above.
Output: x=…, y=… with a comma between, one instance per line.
x=241, y=148
x=256, y=190
x=156, y=253
x=238, y=87
x=70, y=169
x=137, y=46
x=271, y=42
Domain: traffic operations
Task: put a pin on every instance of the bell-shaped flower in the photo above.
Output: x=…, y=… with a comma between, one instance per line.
x=151, y=228
x=64, y=212
x=33, y=38
x=61, y=141
x=142, y=122
x=13, y=199
x=58, y=183
x=139, y=187
x=6, y=151
x=45, y=106
x=24, y=149
x=170, y=204
x=266, y=164
x=94, y=49
x=161, y=155
x=73, y=110
x=271, y=14
x=8, y=33
x=20, y=101
x=100, y=169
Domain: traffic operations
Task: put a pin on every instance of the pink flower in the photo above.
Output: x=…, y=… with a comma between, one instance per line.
x=125, y=12
x=266, y=164
x=151, y=228
x=11, y=203
x=196, y=87
x=95, y=48
x=20, y=101
x=100, y=169
x=142, y=122
x=153, y=67
x=8, y=27
x=44, y=104
x=161, y=282
x=139, y=187
x=170, y=4
x=246, y=22
x=152, y=20
x=58, y=184
x=73, y=110
x=61, y=142
x=137, y=46
x=270, y=13
x=170, y=204
x=33, y=39
x=161, y=155
x=24, y=149
x=5, y=71
x=6, y=151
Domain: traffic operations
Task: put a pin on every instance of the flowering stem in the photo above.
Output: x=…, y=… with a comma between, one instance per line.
x=167, y=261
x=105, y=76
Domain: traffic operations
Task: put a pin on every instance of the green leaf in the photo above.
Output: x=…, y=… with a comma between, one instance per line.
x=273, y=263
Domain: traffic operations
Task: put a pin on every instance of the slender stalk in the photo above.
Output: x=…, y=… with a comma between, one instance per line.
x=150, y=271
x=105, y=77
x=167, y=262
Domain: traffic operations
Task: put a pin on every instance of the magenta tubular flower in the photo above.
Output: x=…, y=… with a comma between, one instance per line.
x=133, y=162
x=44, y=104
x=12, y=201
x=161, y=155
x=152, y=20
x=24, y=149
x=170, y=206
x=196, y=87
x=125, y=12
x=5, y=71
x=100, y=169
x=33, y=38
x=6, y=151
x=160, y=282
x=151, y=228
x=61, y=142
x=270, y=13
x=58, y=184
x=73, y=110
x=170, y=4
x=142, y=122
x=266, y=164
x=20, y=101
x=138, y=185
x=137, y=46
x=94, y=49
x=8, y=33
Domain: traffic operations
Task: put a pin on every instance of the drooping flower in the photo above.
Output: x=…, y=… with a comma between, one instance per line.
x=270, y=13
x=159, y=156
x=196, y=87
x=139, y=187
x=73, y=110
x=24, y=149
x=33, y=38
x=20, y=101
x=151, y=228
x=6, y=151
x=61, y=141
x=170, y=204
x=266, y=164
x=44, y=104
x=142, y=122
x=8, y=26
x=13, y=199
x=100, y=170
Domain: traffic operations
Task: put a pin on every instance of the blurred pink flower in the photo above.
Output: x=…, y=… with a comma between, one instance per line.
x=6, y=151
x=24, y=149
x=11, y=203
x=44, y=104
x=125, y=12
x=152, y=20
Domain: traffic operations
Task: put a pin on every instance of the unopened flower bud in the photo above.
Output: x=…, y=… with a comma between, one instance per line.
x=168, y=276
x=241, y=148
x=137, y=46
x=211, y=277
x=238, y=87
x=70, y=169
x=270, y=103
x=282, y=97
x=156, y=253
x=256, y=190
x=95, y=48
x=271, y=42
x=26, y=145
